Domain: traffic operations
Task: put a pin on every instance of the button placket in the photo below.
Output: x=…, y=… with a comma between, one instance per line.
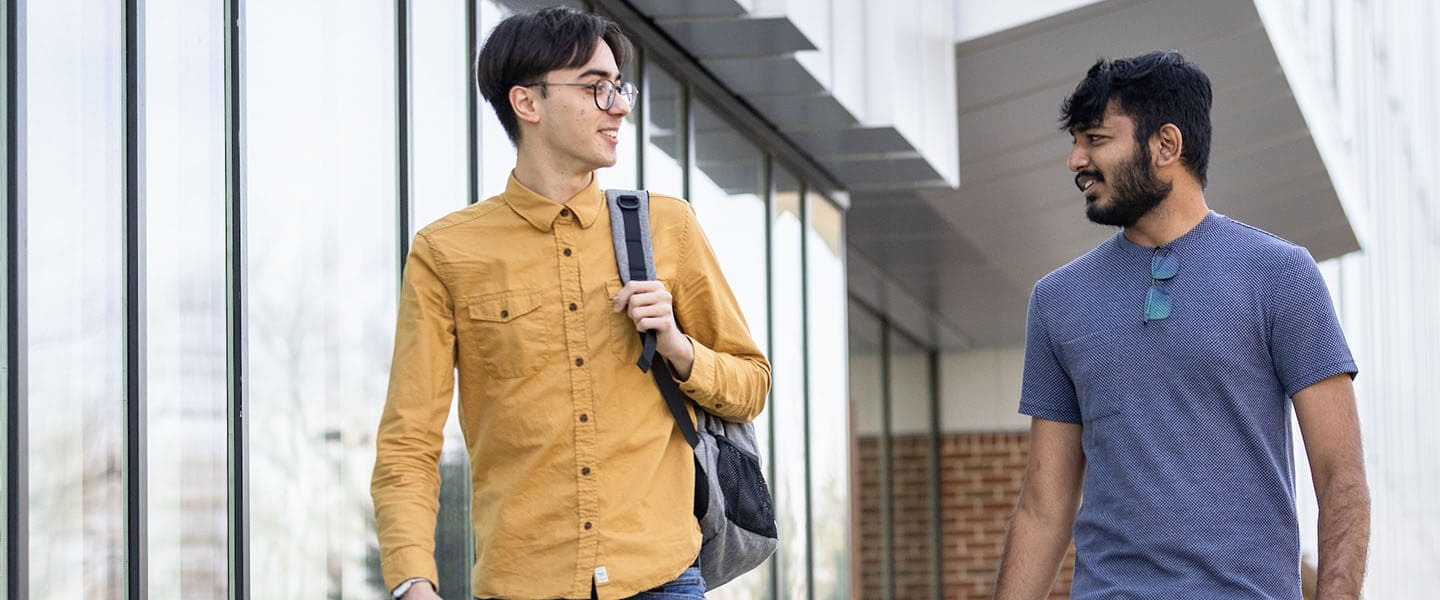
x=581, y=393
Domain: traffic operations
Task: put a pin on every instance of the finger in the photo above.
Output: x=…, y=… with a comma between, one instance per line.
x=630, y=290
x=645, y=312
x=622, y=298
x=650, y=298
x=652, y=323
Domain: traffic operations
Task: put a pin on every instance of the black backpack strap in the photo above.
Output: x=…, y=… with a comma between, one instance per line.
x=630, y=228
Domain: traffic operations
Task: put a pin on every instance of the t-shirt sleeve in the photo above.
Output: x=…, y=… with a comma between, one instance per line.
x=1046, y=390
x=1306, y=343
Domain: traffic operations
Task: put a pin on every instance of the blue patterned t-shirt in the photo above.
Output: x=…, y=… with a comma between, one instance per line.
x=1189, y=488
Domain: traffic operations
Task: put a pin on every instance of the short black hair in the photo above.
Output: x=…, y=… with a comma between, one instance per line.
x=1153, y=89
x=526, y=46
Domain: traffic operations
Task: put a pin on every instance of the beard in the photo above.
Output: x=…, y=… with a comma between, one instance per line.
x=1134, y=192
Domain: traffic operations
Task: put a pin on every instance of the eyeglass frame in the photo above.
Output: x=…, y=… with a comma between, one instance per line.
x=626, y=88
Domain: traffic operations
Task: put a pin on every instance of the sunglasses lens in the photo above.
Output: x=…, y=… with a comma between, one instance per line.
x=1157, y=304
x=1164, y=265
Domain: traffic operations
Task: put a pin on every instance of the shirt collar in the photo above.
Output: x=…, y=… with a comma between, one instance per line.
x=541, y=212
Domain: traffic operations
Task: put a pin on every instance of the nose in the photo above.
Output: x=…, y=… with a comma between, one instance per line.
x=621, y=107
x=1078, y=159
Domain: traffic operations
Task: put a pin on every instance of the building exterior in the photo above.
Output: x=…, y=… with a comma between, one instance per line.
x=207, y=205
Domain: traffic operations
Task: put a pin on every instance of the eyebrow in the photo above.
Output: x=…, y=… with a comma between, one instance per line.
x=602, y=73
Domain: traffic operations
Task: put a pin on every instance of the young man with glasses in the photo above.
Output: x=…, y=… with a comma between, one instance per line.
x=1160, y=372
x=583, y=485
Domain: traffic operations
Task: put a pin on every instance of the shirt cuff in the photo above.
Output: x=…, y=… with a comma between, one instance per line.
x=406, y=564
x=700, y=387
x=405, y=587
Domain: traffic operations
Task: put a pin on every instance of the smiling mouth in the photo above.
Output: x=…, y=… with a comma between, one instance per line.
x=1086, y=181
x=613, y=134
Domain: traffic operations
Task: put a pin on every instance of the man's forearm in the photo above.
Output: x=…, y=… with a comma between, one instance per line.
x=1034, y=547
x=1344, y=501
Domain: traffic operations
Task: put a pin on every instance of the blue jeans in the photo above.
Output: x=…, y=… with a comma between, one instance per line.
x=688, y=586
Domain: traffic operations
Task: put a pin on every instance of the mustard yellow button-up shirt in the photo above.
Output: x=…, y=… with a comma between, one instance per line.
x=576, y=463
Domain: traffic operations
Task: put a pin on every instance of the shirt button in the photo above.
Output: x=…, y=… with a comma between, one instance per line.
x=585, y=471
x=579, y=362
x=504, y=314
x=564, y=212
x=587, y=525
x=567, y=252
x=573, y=307
x=584, y=418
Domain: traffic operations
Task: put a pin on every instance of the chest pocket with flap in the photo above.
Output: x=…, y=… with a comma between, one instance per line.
x=508, y=333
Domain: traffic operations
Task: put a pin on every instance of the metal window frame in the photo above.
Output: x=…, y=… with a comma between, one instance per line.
x=236, y=306
x=805, y=225
x=887, y=513
x=17, y=517
x=135, y=475
x=404, y=164
x=472, y=101
x=937, y=549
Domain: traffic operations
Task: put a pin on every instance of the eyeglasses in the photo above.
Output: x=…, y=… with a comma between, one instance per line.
x=1163, y=267
x=601, y=89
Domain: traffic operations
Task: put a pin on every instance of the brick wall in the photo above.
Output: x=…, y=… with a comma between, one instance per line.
x=980, y=475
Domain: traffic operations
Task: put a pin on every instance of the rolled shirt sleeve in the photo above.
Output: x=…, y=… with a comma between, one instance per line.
x=406, y=481
x=730, y=377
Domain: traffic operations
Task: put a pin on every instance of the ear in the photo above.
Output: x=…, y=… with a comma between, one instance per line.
x=526, y=104
x=1167, y=145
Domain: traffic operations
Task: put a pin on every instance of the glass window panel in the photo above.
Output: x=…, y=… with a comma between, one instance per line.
x=728, y=195
x=788, y=384
x=829, y=406
x=321, y=261
x=867, y=399
x=440, y=73
x=185, y=295
x=910, y=468
x=497, y=154
x=75, y=180
x=665, y=157
x=624, y=174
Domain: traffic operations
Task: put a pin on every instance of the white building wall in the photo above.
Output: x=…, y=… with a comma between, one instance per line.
x=1374, y=65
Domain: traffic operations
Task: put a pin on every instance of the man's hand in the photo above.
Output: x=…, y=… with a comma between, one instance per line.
x=420, y=590
x=649, y=306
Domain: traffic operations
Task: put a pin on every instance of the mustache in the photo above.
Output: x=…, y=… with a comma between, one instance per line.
x=1093, y=174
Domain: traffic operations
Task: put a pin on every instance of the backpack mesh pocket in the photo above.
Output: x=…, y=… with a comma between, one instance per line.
x=747, y=499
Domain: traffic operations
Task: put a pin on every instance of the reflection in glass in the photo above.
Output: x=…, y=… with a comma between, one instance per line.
x=625, y=172
x=185, y=295
x=829, y=407
x=911, y=499
x=321, y=264
x=788, y=384
x=867, y=397
x=439, y=75
x=497, y=154
x=664, y=151
x=75, y=125
x=727, y=194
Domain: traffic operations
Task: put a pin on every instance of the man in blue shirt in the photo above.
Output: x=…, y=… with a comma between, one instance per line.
x=1160, y=372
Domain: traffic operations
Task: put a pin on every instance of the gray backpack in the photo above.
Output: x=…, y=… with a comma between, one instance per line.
x=732, y=501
